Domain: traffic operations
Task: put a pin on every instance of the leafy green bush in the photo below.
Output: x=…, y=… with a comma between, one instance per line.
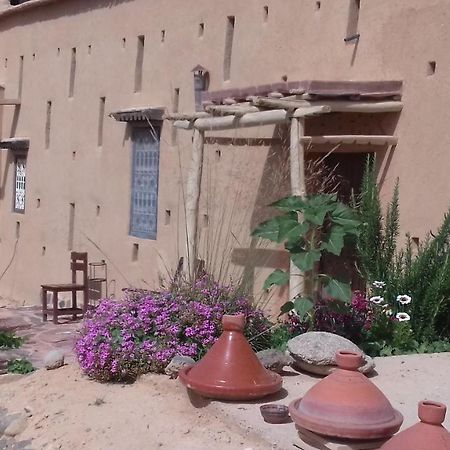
x=10, y=340
x=309, y=227
x=21, y=366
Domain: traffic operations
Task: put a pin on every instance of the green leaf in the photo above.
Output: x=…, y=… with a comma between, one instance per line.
x=290, y=228
x=350, y=226
x=315, y=215
x=295, y=245
x=277, y=277
x=287, y=307
x=268, y=229
x=292, y=203
x=305, y=260
x=338, y=290
x=335, y=241
x=303, y=306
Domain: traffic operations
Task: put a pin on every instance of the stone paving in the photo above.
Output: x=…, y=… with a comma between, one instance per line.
x=40, y=337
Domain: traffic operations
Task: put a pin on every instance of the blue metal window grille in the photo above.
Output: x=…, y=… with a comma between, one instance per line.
x=144, y=189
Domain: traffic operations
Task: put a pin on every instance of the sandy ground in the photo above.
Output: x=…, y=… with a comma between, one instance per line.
x=69, y=411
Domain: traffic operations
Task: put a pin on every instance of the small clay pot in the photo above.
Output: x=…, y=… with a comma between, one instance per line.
x=230, y=370
x=428, y=434
x=346, y=404
x=275, y=413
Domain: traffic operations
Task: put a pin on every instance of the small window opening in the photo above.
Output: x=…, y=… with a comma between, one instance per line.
x=58, y=51
x=201, y=29
x=6, y=63
x=71, y=235
x=44, y=249
x=101, y=121
x=74, y=155
x=167, y=217
x=139, y=64
x=124, y=42
x=34, y=56
x=175, y=106
x=229, y=35
x=19, y=93
x=201, y=82
x=38, y=203
x=431, y=70
x=20, y=184
x=135, y=254
x=17, y=230
x=89, y=49
x=48, y=124
x=218, y=154
x=352, y=23
x=318, y=5
x=265, y=13
x=163, y=35
x=73, y=69
x=98, y=210
x=205, y=220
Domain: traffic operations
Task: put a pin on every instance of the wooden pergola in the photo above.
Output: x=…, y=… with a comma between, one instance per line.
x=290, y=104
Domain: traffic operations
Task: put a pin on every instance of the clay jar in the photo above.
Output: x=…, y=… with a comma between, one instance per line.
x=346, y=405
x=428, y=434
x=230, y=369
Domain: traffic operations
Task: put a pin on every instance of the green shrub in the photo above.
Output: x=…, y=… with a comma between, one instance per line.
x=21, y=366
x=10, y=340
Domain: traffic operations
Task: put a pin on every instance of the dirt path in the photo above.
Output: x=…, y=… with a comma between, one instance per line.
x=69, y=412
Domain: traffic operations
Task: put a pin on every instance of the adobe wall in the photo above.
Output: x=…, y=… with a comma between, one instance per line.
x=296, y=39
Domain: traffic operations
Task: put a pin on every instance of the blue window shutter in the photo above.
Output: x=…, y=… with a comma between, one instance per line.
x=145, y=177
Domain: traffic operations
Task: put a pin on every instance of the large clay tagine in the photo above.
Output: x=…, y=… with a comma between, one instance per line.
x=230, y=369
x=346, y=405
x=428, y=434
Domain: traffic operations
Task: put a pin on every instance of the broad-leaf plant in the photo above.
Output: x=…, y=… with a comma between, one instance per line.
x=310, y=227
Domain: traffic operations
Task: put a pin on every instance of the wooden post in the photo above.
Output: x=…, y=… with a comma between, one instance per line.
x=297, y=164
x=192, y=200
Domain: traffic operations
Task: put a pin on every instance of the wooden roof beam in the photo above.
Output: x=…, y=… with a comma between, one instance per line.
x=9, y=101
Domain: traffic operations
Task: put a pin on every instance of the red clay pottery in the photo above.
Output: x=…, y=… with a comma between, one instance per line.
x=346, y=404
x=428, y=434
x=230, y=370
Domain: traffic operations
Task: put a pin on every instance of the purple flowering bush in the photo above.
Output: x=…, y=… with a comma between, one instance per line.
x=144, y=331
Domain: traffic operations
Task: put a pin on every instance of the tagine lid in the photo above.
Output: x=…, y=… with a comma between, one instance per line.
x=346, y=404
x=230, y=369
x=428, y=434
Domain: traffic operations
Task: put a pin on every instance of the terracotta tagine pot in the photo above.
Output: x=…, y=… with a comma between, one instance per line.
x=230, y=370
x=428, y=434
x=346, y=404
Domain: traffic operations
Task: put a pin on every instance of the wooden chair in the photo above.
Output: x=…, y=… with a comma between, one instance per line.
x=79, y=263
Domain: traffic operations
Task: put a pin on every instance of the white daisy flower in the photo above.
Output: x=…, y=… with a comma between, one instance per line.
x=402, y=317
x=377, y=300
x=404, y=299
x=379, y=284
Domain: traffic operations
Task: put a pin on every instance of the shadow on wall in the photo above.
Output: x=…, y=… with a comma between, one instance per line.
x=56, y=10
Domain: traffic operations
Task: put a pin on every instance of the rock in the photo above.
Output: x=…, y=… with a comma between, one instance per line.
x=178, y=362
x=315, y=352
x=54, y=359
x=16, y=427
x=273, y=359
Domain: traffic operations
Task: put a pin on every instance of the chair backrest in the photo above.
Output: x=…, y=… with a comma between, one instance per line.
x=79, y=263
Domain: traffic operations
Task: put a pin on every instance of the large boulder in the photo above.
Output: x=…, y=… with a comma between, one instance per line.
x=315, y=352
x=54, y=360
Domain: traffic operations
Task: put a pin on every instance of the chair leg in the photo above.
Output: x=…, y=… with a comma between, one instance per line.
x=44, y=304
x=55, y=307
x=74, y=303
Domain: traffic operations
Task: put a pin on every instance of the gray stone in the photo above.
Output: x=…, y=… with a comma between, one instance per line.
x=54, y=359
x=178, y=362
x=315, y=352
x=16, y=427
x=273, y=359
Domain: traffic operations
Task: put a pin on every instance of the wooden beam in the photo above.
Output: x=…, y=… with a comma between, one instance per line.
x=184, y=124
x=305, y=111
x=335, y=105
x=226, y=110
x=9, y=101
x=185, y=116
x=255, y=119
x=359, y=139
x=192, y=200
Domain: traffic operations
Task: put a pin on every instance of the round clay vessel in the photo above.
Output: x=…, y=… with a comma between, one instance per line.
x=275, y=413
x=230, y=370
x=346, y=404
x=428, y=434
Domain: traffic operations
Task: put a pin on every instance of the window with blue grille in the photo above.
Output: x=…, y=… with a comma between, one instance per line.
x=144, y=188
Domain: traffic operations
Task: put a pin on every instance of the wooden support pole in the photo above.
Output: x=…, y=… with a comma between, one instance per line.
x=297, y=166
x=185, y=116
x=226, y=110
x=193, y=184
